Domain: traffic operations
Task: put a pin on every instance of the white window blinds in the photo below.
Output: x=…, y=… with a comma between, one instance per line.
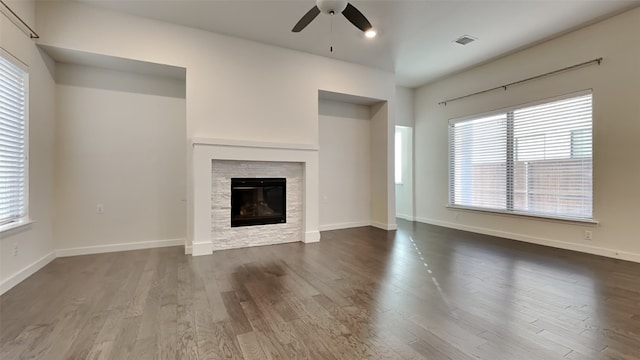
x=534, y=160
x=13, y=154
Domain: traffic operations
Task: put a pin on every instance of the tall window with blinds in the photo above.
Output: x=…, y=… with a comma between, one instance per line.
x=532, y=160
x=13, y=139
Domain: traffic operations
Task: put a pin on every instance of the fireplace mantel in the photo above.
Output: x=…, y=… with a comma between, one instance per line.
x=205, y=150
x=200, y=141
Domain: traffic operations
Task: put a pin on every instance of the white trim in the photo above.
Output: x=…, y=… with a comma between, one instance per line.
x=383, y=226
x=16, y=224
x=188, y=249
x=14, y=59
x=311, y=237
x=251, y=144
x=99, y=249
x=523, y=214
x=27, y=144
x=616, y=254
x=345, y=225
x=29, y=270
x=201, y=248
x=405, y=217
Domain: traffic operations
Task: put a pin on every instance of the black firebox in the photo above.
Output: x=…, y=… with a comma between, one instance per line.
x=258, y=201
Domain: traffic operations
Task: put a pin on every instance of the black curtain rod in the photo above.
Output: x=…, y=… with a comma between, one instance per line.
x=32, y=34
x=504, y=87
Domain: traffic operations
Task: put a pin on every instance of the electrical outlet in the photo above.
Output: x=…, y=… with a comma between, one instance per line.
x=588, y=235
x=15, y=249
x=100, y=209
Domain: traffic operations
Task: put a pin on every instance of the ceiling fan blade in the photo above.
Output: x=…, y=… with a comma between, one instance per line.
x=306, y=19
x=356, y=18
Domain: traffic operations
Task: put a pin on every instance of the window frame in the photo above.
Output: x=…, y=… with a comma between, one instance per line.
x=511, y=144
x=25, y=219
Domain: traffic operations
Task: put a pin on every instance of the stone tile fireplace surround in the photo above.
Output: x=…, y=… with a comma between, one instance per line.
x=227, y=237
x=215, y=162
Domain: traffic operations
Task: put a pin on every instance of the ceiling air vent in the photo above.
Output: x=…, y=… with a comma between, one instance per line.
x=465, y=39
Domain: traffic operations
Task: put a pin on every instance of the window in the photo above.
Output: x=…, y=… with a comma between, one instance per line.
x=532, y=160
x=13, y=139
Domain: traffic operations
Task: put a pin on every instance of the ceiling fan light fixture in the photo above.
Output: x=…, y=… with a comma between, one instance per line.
x=329, y=6
x=371, y=33
x=332, y=7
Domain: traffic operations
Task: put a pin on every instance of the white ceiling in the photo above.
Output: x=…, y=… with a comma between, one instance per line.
x=415, y=38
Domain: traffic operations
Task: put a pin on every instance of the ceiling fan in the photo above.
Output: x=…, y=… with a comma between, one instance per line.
x=332, y=7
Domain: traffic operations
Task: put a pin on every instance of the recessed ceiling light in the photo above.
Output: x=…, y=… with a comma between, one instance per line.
x=370, y=33
x=465, y=39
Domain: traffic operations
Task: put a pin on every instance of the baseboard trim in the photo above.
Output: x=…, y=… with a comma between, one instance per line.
x=616, y=254
x=188, y=249
x=344, y=225
x=201, y=248
x=384, y=226
x=405, y=217
x=99, y=249
x=29, y=270
x=349, y=225
x=311, y=237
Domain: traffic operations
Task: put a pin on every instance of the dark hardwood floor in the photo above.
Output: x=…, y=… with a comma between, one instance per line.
x=422, y=292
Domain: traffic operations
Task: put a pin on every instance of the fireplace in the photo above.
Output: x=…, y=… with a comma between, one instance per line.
x=216, y=162
x=258, y=201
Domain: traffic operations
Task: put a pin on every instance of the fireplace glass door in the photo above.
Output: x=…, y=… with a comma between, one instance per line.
x=258, y=201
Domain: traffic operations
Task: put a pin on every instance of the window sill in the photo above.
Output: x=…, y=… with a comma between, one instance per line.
x=15, y=225
x=526, y=216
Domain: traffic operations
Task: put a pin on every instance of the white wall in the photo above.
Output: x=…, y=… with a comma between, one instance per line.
x=405, y=117
x=383, y=199
x=121, y=143
x=236, y=89
x=616, y=121
x=35, y=241
x=345, y=165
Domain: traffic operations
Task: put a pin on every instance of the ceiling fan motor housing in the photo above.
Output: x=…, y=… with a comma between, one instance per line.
x=327, y=6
